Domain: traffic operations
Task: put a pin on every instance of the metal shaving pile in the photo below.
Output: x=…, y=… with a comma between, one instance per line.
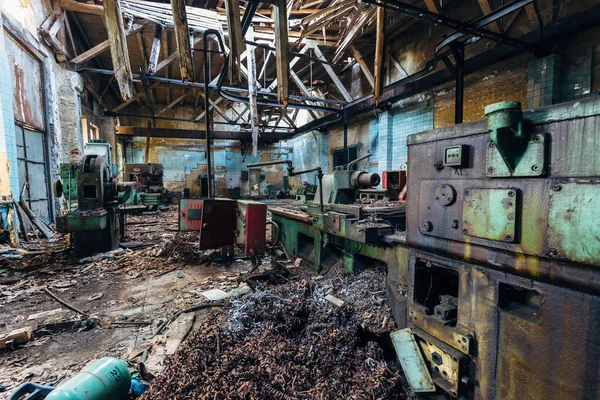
x=288, y=342
x=184, y=247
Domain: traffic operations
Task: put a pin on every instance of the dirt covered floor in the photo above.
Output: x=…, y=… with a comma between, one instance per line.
x=281, y=340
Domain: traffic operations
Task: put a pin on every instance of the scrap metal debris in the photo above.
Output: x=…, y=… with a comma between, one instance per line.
x=288, y=342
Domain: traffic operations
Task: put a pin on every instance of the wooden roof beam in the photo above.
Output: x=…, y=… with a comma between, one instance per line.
x=118, y=47
x=182, y=35
x=281, y=54
x=336, y=80
x=363, y=65
x=487, y=9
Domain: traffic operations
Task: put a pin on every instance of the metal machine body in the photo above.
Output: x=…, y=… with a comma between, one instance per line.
x=251, y=226
x=93, y=222
x=503, y=230
x=149, y=175
x=496, y=276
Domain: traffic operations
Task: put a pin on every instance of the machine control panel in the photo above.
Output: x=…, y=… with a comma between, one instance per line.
x=456, y=156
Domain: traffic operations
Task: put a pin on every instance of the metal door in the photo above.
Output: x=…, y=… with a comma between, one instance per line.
x=32, y=170
x=30, y=124
x=218, y=223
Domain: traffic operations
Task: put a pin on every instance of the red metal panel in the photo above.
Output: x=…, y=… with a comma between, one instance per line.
x=190, y=214
x=256, y=226
x=218, y=223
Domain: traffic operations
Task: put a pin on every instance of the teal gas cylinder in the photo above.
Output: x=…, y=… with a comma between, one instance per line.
x=106, y=379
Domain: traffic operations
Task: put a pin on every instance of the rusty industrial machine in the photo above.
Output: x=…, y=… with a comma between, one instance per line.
x=493, y=271
x=90, y=189
x=143, y=185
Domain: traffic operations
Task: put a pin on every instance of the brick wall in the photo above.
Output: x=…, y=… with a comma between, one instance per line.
x=504, y=81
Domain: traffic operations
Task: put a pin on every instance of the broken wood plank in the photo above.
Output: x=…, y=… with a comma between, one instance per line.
x=37, y=222
x=100, y=47
x=173, y=56
x=336, y=80
x=118, y=47
x=379, y=46
x=72, y=5
x=235, y=37
x=339, y=303
x=155, y=49
x=182, y=35
x=281, y=54
x=17, y=336
x=363, y=65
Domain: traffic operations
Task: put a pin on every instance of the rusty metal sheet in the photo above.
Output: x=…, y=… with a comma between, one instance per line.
x=574, y=222
x=218, y=223
x=190, y=214
x=412, y=361
x=490, y=213
x=27, y=78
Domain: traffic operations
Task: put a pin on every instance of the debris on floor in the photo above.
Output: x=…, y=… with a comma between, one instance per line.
x=288, y=342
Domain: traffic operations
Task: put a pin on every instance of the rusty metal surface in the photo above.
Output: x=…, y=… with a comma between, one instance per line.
x=490, y=213
x=218, y=223
x=190, y=214
x=574, y=221
x=27, y=78
x=573, y=136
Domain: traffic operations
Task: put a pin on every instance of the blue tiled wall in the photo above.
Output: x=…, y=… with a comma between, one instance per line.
x=309, y=151
x=8, y=142
x=388, y=133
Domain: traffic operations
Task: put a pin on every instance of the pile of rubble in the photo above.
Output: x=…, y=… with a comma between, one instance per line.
x=315, y=337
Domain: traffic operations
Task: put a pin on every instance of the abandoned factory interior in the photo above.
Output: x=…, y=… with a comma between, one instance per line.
x=299, y=199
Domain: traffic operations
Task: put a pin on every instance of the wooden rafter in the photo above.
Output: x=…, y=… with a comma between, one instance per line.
x=101, y=47
x=172, y=104
x=236, y=40
x=336, y=80
x=155, y=49
x=139, y=95
x=182, y=35
x=363, y=65
x=487, y=9
x=281, y=44
x=118, y=47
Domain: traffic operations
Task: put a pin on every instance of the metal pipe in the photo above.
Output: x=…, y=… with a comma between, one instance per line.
x=459, y=57
x=265, y=163
x=195, y=121
x=209, y=171
x=150, y=78
x=345, y=122
x=319, y=172
x=351, y=163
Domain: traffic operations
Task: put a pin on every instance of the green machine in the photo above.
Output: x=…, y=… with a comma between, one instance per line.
x=90, y=189
x=341, y=224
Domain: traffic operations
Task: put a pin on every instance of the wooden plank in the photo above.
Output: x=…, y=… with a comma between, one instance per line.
x=379, y=45
x=305, y=91
x=531, y=14
x=155, y=49
x=486, y=8
x=72, y=5
x=363, y=65
x=235, y=38
x=336, y=80
x=118, y=47
x=182, y=35
x=134, y=98
x=281, y=55
x=395, y=62
x=173, y=56
x=173, y=103
x=99, y=48
x=432, y=6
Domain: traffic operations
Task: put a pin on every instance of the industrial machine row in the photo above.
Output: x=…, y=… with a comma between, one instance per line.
x=493, y=260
